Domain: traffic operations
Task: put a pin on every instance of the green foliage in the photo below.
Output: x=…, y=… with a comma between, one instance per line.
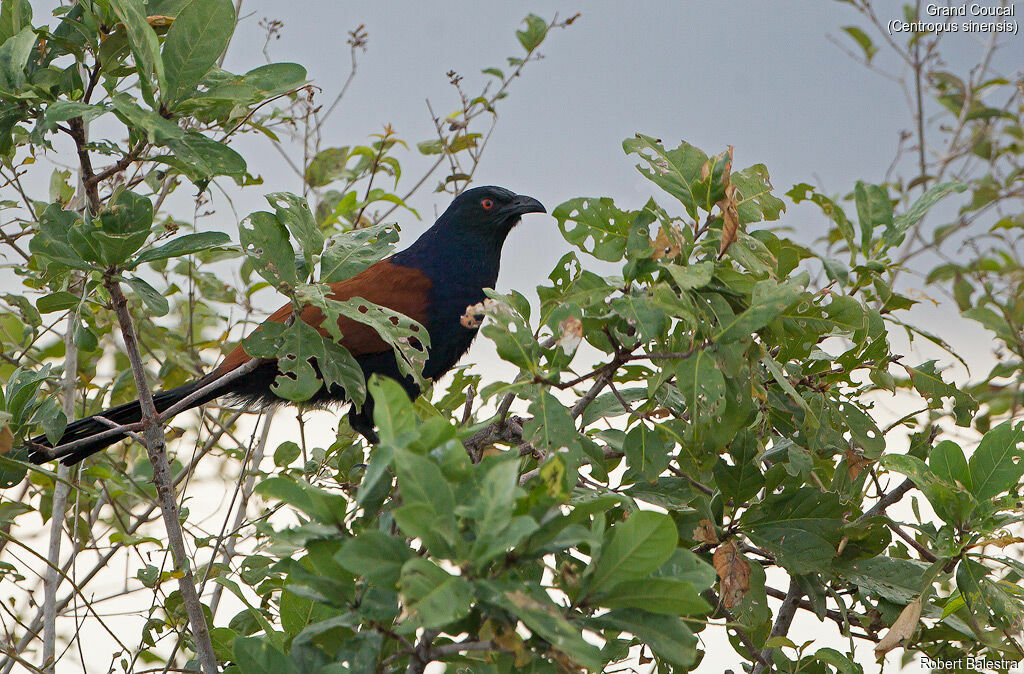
x=722, y=420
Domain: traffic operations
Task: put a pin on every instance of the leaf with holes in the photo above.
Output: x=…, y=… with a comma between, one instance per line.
x=595, y=226
x=998, y=463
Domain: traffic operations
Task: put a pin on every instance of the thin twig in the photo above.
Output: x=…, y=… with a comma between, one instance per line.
x=887, y=500
x=60, y=501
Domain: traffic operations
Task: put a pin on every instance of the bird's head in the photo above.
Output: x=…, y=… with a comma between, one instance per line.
x=489, y=211
x=469, y=235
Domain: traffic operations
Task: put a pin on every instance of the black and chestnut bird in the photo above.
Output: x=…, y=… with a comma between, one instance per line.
x=432, y=281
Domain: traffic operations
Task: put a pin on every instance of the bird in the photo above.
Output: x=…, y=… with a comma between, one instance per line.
x=433, y=282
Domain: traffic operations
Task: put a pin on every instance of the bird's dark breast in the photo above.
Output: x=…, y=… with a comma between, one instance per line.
x=449, y=337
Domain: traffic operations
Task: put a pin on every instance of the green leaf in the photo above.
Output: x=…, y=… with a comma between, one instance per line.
x=428, y=147
x=898, y=580
x=14, y=16
x=293, y=212
x=768, y=300
x=928, y=381
x=863, y=429
x=427, y=510
x=294, y=347
x=647, y=452
x=700, y=380
x=693, y=276
x=200, y=158
x=669, y=637
x=643, y=314
x=298, y=612
x=895, y=233
x=393, y=412
x=432, y=595
x=124, y=226
x=804, y=192
x=678, y=171
x=534, y=33
x=276, y=78
x=340, y=367
x=743, y=479
x=873, y=210
x=285, y=453
x=953, y=504
x=194, y=155
x=635, y=548
x=998, y=463
x=319, y=504
x=408, y=339
x=657, y=595
x=184, y=245
x=498, y=531
x=551, y=425
x=349, y=253
x=971, y=579
x=802, y=527
x=62, y=111
x=754, y=199
x=686, y=565
x=52, y=242
x=862, y=39
x=327, y=166
x=600, y=229
x=948, y=462
x=14, y=56
x=150, y=296
x=546, y=619
x=198, y=36
x=144, y=44
x=265, y=240
x=256, y=655
x=376, y=556
x=58, y=301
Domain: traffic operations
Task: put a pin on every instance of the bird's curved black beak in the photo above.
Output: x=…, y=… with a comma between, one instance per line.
x=523, y=204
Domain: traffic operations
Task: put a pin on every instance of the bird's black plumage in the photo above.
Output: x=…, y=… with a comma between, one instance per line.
x=432, y=281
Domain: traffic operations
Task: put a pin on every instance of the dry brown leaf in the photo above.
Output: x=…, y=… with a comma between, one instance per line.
x=734, y=571
x=901, y=630
x=160, y=21
x=1000, y=542
x=6, y=440
x=666, y=244
x=705, y=532
x=855, y=463
x=474, y=314
x=730, y=214
x=570, y=335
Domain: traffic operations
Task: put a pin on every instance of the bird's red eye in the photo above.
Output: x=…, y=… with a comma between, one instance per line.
x=488, y=204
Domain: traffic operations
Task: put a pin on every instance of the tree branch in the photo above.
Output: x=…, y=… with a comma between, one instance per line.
x=832, y=614
x=783, y=621
x=60, y=501
x=422, y=654
x=887, y=500
x=153, y=433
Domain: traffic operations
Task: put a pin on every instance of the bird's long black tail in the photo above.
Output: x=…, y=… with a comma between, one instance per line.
x=129, y=413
